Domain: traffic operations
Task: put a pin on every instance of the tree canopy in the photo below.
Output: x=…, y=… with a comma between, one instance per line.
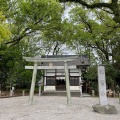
x=30, y=17
x=110, y=6
x=4, y=29
x=95, y=30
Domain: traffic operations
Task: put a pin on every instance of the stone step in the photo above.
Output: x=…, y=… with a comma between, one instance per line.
x=63, y=93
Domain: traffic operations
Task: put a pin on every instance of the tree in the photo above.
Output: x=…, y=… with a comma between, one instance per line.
x=91, y=78
x=6, y=63
x=110, y=72
x=12, y=65
x=28, y=18
x=111, y=7
x=4, y=29
x=94, y=32
x=55, y=39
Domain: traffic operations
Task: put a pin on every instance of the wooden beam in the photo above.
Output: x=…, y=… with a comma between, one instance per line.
x=50, y=67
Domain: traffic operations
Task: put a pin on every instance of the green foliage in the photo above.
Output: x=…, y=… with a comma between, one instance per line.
x=29, y=18
x=12, y=65
x=4, y=29
x=91, y=73
x=95, y=32
x=110, y=72
x=111, y=7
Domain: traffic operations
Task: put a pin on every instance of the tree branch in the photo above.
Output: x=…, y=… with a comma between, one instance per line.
x=94, y=5
x=25, y=33
x=113, y=6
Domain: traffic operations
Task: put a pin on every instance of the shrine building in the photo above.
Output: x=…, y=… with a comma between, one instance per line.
x=54, y=79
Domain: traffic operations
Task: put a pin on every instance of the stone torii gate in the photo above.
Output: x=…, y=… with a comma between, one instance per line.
x=35, y=67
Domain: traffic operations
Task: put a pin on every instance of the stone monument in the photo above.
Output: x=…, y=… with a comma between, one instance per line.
x=103, y=106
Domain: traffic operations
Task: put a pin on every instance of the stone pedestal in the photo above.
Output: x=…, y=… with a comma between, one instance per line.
x=105, y=109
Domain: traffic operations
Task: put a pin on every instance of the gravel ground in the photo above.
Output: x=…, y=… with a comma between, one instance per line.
x=54, y=108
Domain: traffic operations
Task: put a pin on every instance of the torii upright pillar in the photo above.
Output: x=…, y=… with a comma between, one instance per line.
x=33, y=83
x=67, y=84
x=80, y=82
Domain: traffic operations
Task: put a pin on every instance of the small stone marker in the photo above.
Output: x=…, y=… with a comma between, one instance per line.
x=119, y=98
x=39, y=85
x=114, y=94
x=40, y=90
x=93, y=93
x=13, y=88
x=11, y=92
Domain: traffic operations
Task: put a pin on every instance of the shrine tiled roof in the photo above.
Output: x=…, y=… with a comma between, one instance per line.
x=81, y=60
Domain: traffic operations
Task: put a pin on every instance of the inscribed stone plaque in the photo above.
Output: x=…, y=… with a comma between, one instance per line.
x=102, y=85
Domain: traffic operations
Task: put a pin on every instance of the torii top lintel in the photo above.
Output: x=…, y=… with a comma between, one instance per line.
x=33, y=59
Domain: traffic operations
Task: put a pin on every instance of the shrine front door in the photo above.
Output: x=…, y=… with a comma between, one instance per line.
x=60, y=85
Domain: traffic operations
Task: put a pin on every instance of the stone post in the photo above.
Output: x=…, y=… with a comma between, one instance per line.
x=39, y=90
x=114, y=93
x=67, y=84
x=93, y=93
x=23, y=92
x=103, y=107
x=11, y=92
x=33, y=84
x=102, y=85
